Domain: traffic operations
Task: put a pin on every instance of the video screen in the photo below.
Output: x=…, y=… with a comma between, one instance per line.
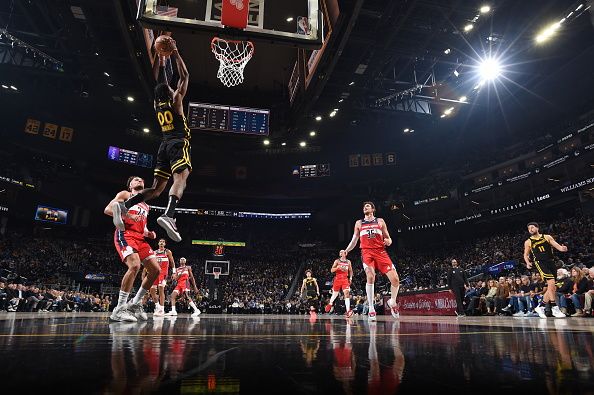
x=51, y=214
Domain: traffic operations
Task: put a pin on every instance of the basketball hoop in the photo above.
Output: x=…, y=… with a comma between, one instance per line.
x=233, y=56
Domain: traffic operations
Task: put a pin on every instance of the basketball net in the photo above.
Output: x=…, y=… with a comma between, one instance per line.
x=233, y=56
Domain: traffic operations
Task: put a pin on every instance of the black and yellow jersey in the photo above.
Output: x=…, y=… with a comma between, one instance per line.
x=541, y=249
x=310, y=285
x=173, y=125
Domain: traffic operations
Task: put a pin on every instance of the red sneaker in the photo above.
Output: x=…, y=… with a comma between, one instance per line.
x=328, y=308
x=372, y=316
x=349, y=313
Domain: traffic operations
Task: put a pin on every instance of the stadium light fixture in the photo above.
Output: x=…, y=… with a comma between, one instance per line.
x=468, y=27
x=290, y=19
x=341, y=100
x=333, y=114
x=130, y=99
x=463, y=99
x=283, y=144
x=146, y=130
x=485, y=9
x=266, y=142
x=302, y=144
x=14, y=88
x=4, y=86
x=312, y=133
x=489, y=69
x=106, y=73
x=447, y=51
x=318, y=118
x=547, y=32
x=448, y=111
x=352, y=83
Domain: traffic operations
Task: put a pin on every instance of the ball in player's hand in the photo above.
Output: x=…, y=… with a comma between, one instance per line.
x=165, y=45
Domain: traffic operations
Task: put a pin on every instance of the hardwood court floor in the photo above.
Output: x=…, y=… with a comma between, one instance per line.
x=84, y=353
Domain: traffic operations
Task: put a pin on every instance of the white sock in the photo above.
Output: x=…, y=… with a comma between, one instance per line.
x=334, y=296
x=157, y=306
x=193, y=306
x=139, y=295
x=172, y=308
x=394, y=293
x=347, y=303
x=123, y=298
x=370, y=294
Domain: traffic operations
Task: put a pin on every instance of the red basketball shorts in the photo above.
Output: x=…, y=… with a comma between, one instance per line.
x=181, y=287
x=377, y=258
x=127, y=245
x=162, y=279
x=341, y=284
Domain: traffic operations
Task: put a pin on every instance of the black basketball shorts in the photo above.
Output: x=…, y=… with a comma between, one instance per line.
x=173, y=157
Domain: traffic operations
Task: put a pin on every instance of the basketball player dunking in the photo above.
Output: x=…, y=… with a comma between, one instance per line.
x=165, y=258
x=134, y=251
x=183, y=275
x=374, y=238
x=540, y=248
x=342, y=281
x=173, y=156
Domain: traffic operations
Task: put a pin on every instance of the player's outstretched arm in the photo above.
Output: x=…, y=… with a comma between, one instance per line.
x=386, y=234
x=557, y=246
x=120, y=197
x=356, y=232
x=184, y=76
x=527, y=254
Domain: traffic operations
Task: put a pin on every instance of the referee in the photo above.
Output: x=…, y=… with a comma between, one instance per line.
x=457, y=282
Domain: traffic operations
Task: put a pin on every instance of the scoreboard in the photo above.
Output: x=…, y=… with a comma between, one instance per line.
x=128, y=156
x=230, y=119
x=319, y=170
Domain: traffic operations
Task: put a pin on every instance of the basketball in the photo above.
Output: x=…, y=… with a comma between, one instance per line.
x=164, y=45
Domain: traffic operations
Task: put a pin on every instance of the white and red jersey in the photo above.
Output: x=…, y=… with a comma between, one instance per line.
x=183, y=274
x=371, y=235
x=342, y=272
x=163, y=260
x=136, y=220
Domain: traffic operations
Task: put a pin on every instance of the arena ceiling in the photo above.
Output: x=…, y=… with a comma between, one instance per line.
x=384, y=55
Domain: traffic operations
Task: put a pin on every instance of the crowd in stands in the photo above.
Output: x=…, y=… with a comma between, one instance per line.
x=266, y=277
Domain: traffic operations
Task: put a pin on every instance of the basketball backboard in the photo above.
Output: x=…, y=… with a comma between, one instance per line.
x=297, y=23
x=210, y=267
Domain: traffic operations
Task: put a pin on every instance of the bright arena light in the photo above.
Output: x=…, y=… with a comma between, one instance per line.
x=312, y=133
x=485, y=9
x=302, y=144
x=468, y=27
x=548, y=32
x=146, y=130
x=463, y=99
x=489, y=69
x=266, y=142
x=318, y=118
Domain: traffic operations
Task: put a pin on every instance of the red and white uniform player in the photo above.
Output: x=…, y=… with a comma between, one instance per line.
x=183, y=275
x=374, y=237
x=342, y=281
x=164, y=257
x=134, y=251
x=132, y=240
